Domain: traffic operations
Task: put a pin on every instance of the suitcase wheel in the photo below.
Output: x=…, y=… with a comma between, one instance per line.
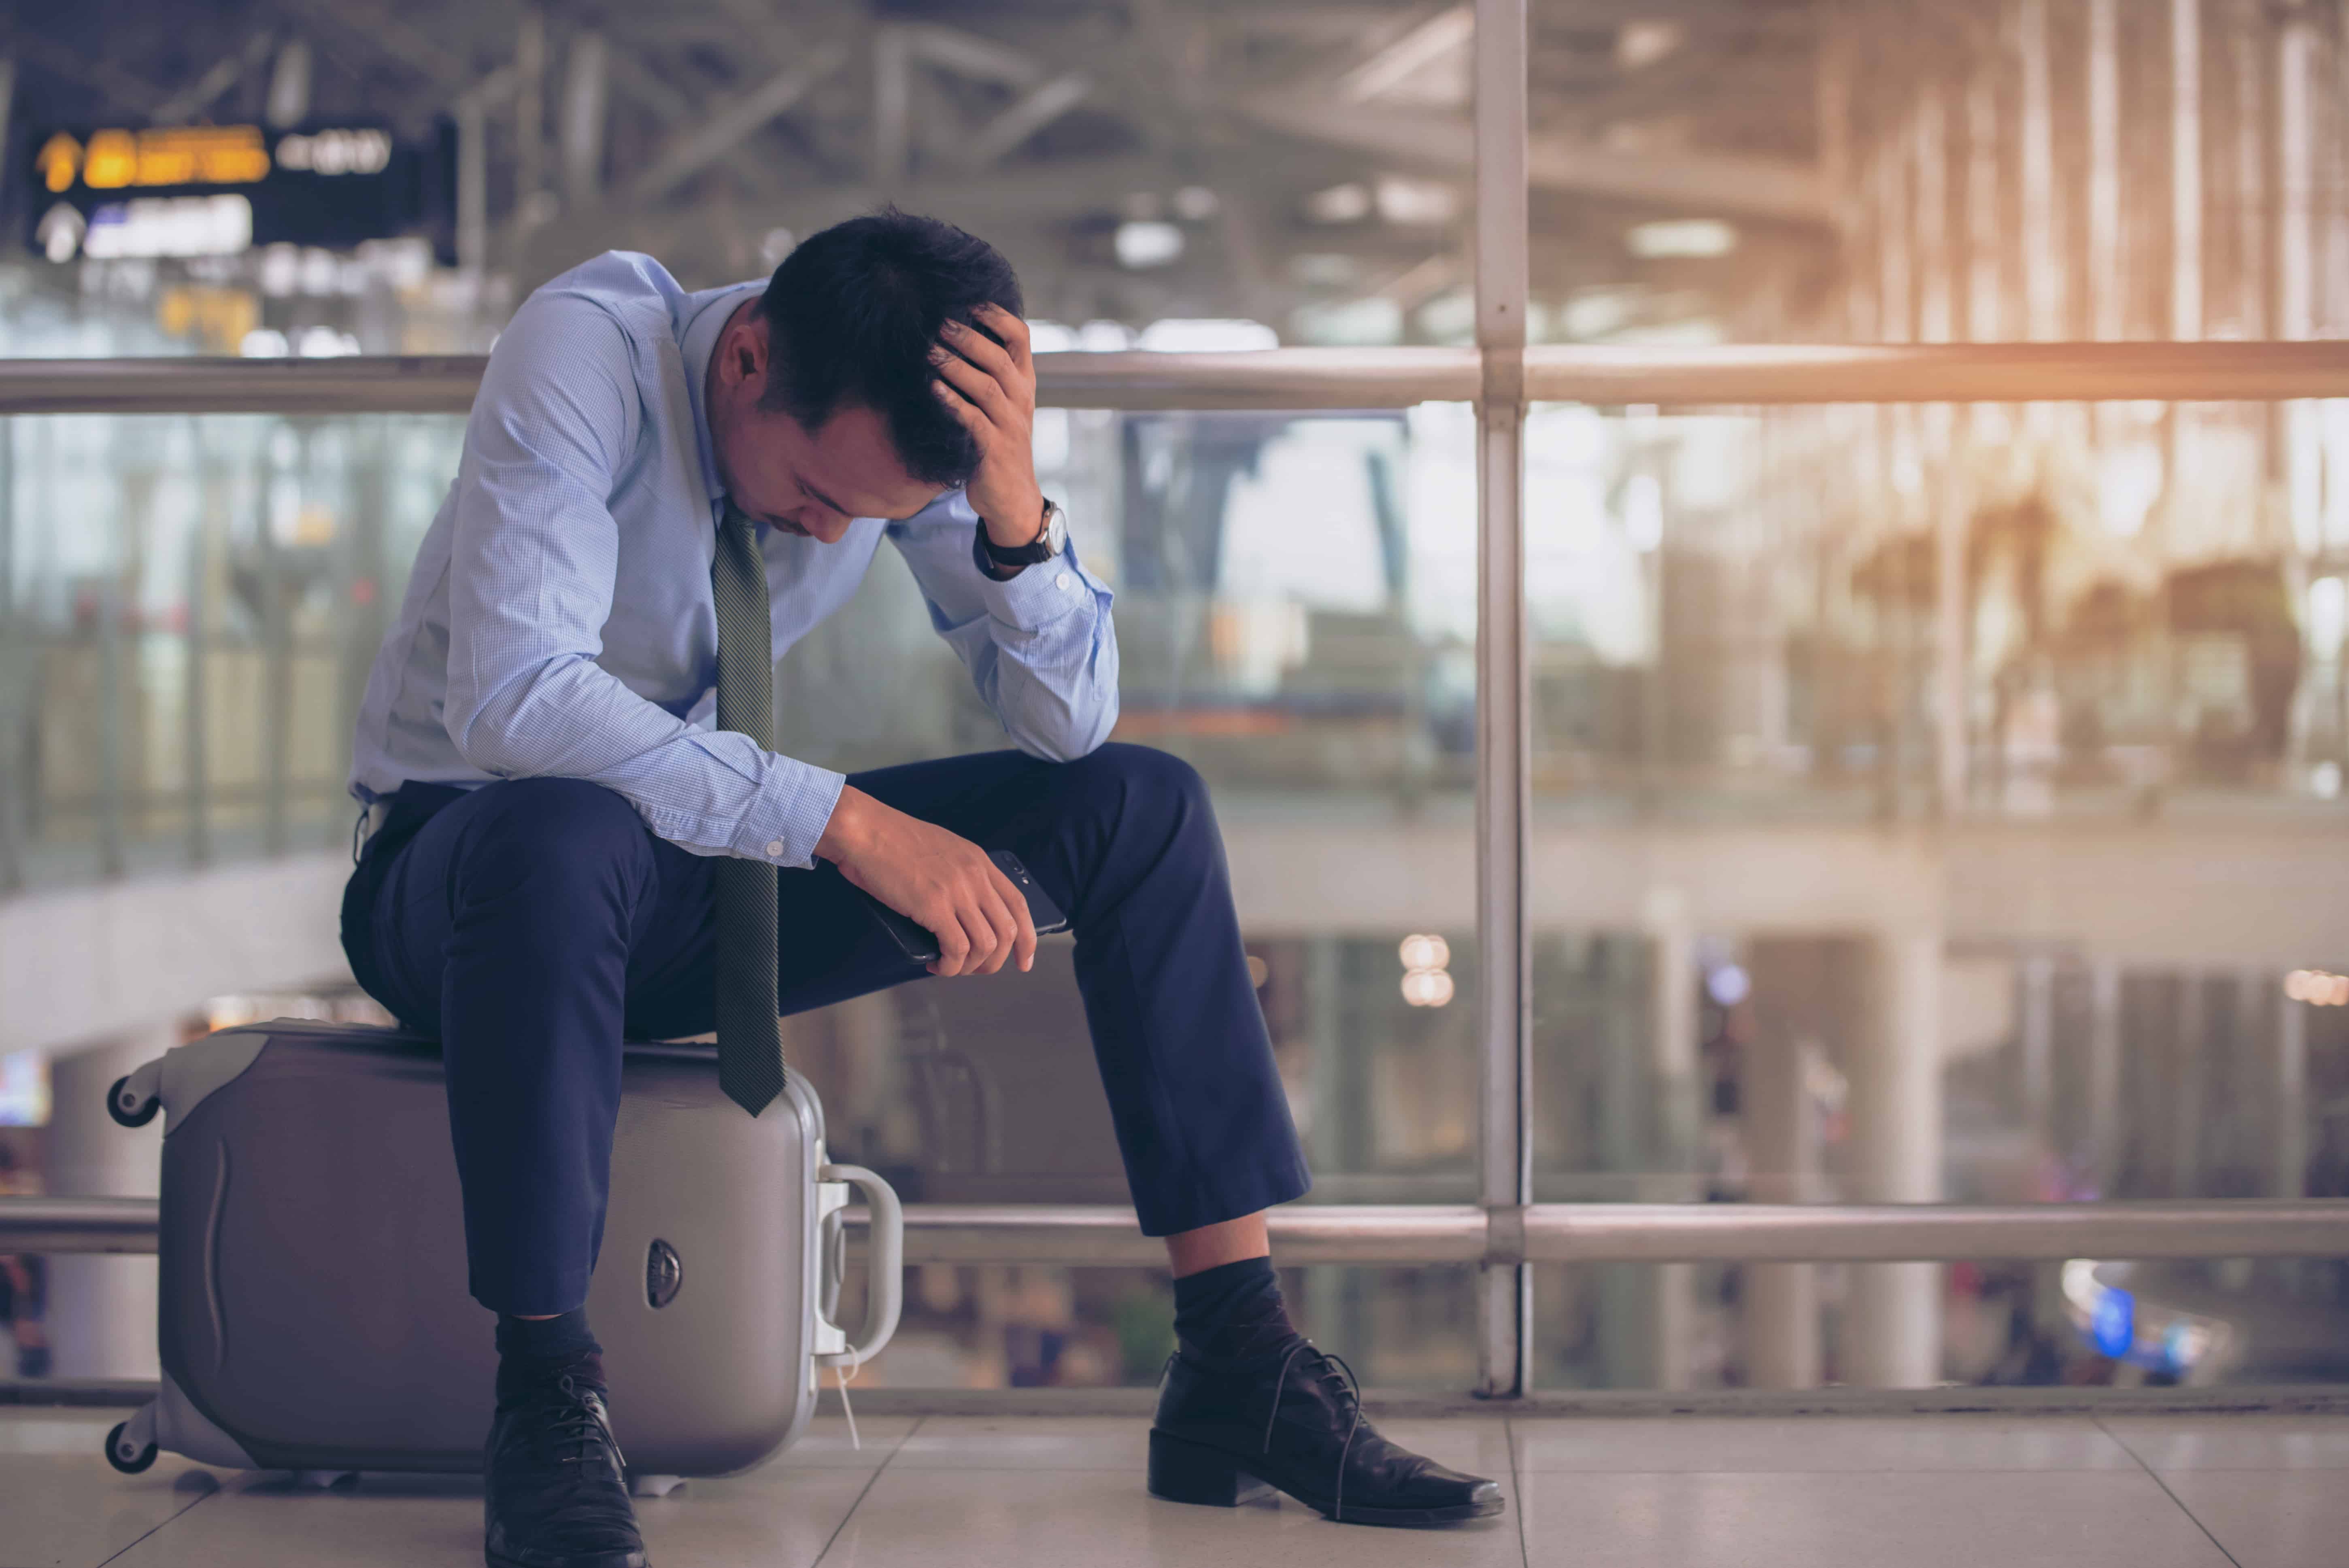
x=118, y=1452
x=129, y=1110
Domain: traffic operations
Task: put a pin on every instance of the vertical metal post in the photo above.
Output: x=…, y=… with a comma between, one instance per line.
x=1892, y=1320
x=276, y=683
x=112, y=721
x=2185, y=322
x=2250, y=180
x=2037, y=1028
x=2187, y=1067
x=7, y=102
x=196, y=711
x=2295, y=262
x=587, y=98
x=1503, y=774
x=1676, y=1073
x=2290, y=1093
x=892, y=108
x=2042, y=267
x=472, y=186
x=1778, y=1304
x=2108, y=290
x=2103, y=1075
x=289, y=103
x=2297, y=176
x=530, y=129
x=16, y=684
x=1936, y=323
x=2185, y=169
x=1985, y=234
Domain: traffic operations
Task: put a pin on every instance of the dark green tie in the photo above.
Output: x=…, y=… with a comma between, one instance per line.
x=750, y=1040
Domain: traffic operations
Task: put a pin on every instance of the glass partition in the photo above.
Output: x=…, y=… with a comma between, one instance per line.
x=1853, y=882
x=188, y=606
x=1295, y=617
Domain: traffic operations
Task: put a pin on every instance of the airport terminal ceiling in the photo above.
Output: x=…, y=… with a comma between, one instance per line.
x=1139, y=159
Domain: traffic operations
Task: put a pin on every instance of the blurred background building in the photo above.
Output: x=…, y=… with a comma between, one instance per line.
x=1933, y=802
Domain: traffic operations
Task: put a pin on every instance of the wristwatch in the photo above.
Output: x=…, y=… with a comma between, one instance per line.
x=1053, y=539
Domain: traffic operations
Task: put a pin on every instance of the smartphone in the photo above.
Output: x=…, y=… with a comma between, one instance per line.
x=922, y=947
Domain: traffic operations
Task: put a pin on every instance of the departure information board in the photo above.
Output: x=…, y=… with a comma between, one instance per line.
x=216, y=189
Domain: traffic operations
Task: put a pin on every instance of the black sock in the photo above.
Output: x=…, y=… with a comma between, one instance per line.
x=1231, y=1312
x=532, y=1351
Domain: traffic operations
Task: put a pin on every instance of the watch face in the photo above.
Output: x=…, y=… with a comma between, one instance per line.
x=1056, y=529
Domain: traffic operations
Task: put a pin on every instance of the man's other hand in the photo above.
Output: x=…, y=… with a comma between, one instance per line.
x=938, y=879
x=990, y=386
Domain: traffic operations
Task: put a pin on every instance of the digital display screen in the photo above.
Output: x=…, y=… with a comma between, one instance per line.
x=217, y=189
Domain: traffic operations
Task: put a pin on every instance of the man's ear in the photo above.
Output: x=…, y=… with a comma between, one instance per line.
x=745, y=350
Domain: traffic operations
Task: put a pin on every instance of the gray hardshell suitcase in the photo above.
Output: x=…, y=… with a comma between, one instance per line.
x=313, y=1303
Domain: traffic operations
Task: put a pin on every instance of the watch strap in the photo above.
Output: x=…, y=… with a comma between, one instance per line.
x=1037, y=549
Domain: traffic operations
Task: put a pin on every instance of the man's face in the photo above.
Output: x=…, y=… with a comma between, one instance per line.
x=807, y=482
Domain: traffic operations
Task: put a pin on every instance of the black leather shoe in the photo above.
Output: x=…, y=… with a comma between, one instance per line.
x=1225, y=1432
x=557, y=1494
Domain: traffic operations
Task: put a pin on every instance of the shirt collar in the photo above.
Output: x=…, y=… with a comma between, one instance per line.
x=706, y=315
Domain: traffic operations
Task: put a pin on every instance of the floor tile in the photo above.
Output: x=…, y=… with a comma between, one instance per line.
x=825, y=1445
x=1480, y=1445
x=2236, y=1442
x=774, y=1517
x=2062, y=1519
x=919, y=1517
x=62, y=1506
x=1755, y=1444
x=72, y=1434
x=1026, y=1442
x=2292, y=1519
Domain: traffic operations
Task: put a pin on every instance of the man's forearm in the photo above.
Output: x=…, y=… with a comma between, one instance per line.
x=850, y=831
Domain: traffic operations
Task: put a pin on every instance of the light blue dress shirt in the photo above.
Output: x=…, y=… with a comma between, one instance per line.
x=559, y=622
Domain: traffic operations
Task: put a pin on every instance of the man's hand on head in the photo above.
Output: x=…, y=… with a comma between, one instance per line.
x=990, y=386
x=939, y=879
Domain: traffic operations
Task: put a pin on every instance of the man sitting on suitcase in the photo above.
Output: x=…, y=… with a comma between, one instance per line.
x=578, y=818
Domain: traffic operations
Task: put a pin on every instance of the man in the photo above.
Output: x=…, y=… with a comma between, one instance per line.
x=660, y=492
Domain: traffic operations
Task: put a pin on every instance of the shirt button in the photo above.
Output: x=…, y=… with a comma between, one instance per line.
x=775, y=848
x=1061, y=580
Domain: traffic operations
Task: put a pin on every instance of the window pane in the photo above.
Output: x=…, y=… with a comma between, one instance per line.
x=188, y=607
x=1771, y=965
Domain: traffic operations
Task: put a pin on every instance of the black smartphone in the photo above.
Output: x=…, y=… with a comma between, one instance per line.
x=922, y=947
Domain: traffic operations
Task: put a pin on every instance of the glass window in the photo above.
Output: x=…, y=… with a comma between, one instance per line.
x=1803, y=931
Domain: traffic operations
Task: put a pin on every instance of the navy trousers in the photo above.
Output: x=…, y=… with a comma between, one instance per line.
x=532, y=924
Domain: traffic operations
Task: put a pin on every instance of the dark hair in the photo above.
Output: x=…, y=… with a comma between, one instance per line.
x=853, y=313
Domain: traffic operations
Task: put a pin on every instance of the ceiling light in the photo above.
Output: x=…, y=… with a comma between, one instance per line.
x=1417, y=201
x=1640, y=43
x=1147, y=244
x=1682, y=237
x=1418, y=952
x=1347, y=204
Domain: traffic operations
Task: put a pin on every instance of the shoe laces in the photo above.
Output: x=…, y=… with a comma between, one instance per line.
x=1335, y=1375
x=577, y=1431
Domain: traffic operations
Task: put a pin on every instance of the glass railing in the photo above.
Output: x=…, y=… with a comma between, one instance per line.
x=192, y=606
x=1803, y=953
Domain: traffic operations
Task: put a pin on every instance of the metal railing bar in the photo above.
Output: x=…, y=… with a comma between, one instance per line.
x=1305, y=379
x=1461, y=1233
x=48, y=1224
x=1932, y=1233
x=1739, y=374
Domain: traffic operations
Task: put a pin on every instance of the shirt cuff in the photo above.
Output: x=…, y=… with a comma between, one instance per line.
x=787, y=821
x=1040, y=596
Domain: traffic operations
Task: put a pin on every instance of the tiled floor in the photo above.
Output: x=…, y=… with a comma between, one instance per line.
x=1686, y=1492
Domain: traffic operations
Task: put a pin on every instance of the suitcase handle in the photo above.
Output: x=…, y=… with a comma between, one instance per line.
x=885, y=1293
